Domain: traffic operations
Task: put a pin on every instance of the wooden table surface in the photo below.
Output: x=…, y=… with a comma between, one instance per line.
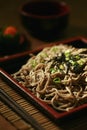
x=9, y=15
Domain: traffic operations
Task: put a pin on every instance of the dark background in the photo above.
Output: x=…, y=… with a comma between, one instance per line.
x=9, y=15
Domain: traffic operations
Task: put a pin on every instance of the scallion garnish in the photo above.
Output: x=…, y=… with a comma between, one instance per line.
x=52, y=70
x=81, y=62
x=57, y=80
x=34, y=63
x=61, y=67
x=77, y=57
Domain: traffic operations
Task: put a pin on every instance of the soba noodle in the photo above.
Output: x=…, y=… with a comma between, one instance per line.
x=57, y=75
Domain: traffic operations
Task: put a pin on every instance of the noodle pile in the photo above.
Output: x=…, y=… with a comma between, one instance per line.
x=57, y=75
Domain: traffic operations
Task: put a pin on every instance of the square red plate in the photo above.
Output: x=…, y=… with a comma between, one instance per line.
x=13, y=63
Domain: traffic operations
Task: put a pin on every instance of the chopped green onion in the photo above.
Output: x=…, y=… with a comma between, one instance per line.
x=67, y=58
x=53, y=70
x=57, y=80
x=44, y=55
x=67, y=53
x=77, y=57
x=54, y=49
x=81, y=62
x=34, y=63
x=72, y=62
x=61, y=67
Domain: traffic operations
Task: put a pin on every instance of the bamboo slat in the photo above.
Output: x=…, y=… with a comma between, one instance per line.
x=16, y=120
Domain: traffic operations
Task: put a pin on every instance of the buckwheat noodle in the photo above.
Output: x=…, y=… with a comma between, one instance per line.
x=57, y=75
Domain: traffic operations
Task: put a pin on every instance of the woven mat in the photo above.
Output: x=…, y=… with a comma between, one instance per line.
x=15, y=119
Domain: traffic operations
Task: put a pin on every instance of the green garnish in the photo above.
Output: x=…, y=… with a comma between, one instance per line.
x=57, y=80
x=61, y=67
x=81, y=62
x=77, y=57
x=67, y=53
x=72, y=62
x=53, y=70
x=54, y=49
x=44, y=55
x=34, y=63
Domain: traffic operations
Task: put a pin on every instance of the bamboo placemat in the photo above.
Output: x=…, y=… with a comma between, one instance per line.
x=15, y=119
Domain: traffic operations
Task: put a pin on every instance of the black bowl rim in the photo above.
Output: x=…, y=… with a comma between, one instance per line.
x=61, y=3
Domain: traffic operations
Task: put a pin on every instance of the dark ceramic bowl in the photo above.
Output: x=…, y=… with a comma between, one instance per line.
x=45, y=20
